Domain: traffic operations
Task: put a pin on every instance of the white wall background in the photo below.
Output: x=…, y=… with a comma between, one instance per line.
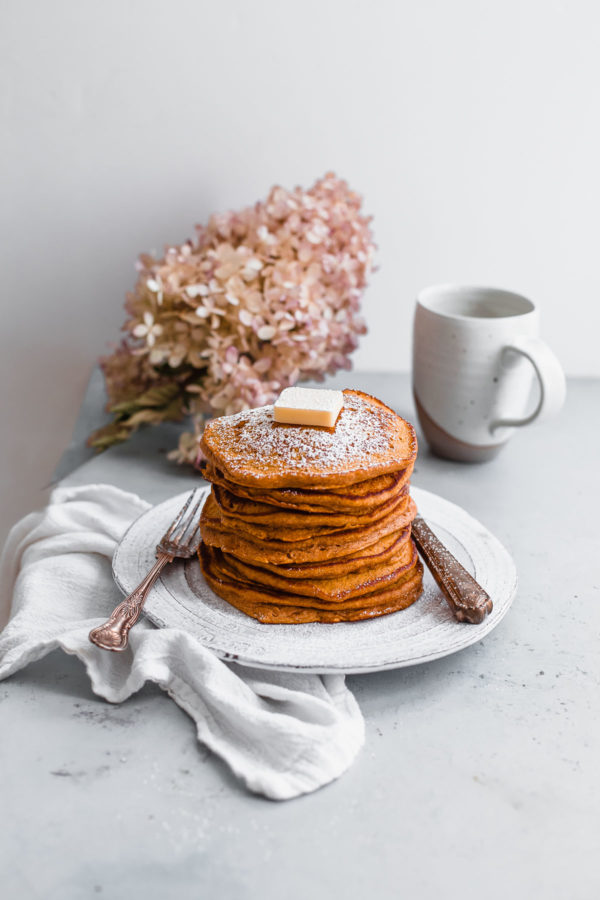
x=471, y=128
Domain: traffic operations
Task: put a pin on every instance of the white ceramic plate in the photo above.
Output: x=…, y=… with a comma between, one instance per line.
x=423, y=632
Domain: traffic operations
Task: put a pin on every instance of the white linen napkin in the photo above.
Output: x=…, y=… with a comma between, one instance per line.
x=283, y=734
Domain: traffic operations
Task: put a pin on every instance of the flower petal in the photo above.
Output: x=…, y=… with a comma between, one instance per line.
x=266, y=332
x=196, y=290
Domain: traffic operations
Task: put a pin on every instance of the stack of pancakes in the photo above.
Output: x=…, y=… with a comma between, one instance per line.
x=307, y=524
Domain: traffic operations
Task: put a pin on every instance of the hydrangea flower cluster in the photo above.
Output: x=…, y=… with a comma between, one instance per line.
x=257, y=301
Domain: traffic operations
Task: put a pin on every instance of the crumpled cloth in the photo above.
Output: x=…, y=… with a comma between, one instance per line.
x=283, y=734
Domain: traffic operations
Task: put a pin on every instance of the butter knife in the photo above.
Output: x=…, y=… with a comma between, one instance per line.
x=466, y=598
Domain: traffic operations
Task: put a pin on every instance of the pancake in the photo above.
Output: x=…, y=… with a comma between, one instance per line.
x=254, y=513
x=275, y=607
x=359, y=497
x=368, y=440
x=218, y=531
x=377, y=553
x=334, y=588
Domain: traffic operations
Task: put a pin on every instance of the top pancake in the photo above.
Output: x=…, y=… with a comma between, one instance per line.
x=368, y=440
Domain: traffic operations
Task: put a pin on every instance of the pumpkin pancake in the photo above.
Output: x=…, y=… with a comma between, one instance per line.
x=334, y=588
x=218, y=531
x=301, y=532
x=270, y=606
x=253, y=513
x=368, y=440
x=362, y=496
x=377, y=553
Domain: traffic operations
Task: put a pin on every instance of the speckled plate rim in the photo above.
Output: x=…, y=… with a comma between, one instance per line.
x=424, y=632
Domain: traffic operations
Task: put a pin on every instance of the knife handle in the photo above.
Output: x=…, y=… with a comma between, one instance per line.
x=466, y=598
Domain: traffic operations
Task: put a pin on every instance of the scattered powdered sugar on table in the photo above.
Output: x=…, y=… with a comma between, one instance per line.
x=362, y=431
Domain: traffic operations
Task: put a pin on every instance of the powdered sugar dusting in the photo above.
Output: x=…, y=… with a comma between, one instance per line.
x=363, y=431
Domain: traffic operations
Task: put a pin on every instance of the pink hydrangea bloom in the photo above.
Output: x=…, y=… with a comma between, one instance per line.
x=258, y=300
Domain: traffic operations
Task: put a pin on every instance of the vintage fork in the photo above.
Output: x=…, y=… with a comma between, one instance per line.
x=180, y=541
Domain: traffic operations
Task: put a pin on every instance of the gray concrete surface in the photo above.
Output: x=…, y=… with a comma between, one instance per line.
x=479, y=778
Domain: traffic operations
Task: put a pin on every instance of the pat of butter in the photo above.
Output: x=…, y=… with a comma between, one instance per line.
x=307, y=406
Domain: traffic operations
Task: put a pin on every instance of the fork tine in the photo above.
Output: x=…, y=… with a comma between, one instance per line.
x=188, y=520
x=196, y=509
x=176, y=521
x=191, y=540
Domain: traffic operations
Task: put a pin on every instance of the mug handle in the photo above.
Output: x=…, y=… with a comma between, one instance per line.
x=551, y=378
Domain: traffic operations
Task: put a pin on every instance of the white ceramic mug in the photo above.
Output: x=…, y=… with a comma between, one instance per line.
x=476, y=353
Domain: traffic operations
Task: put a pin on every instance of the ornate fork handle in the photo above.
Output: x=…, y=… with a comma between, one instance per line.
x=114, y=633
